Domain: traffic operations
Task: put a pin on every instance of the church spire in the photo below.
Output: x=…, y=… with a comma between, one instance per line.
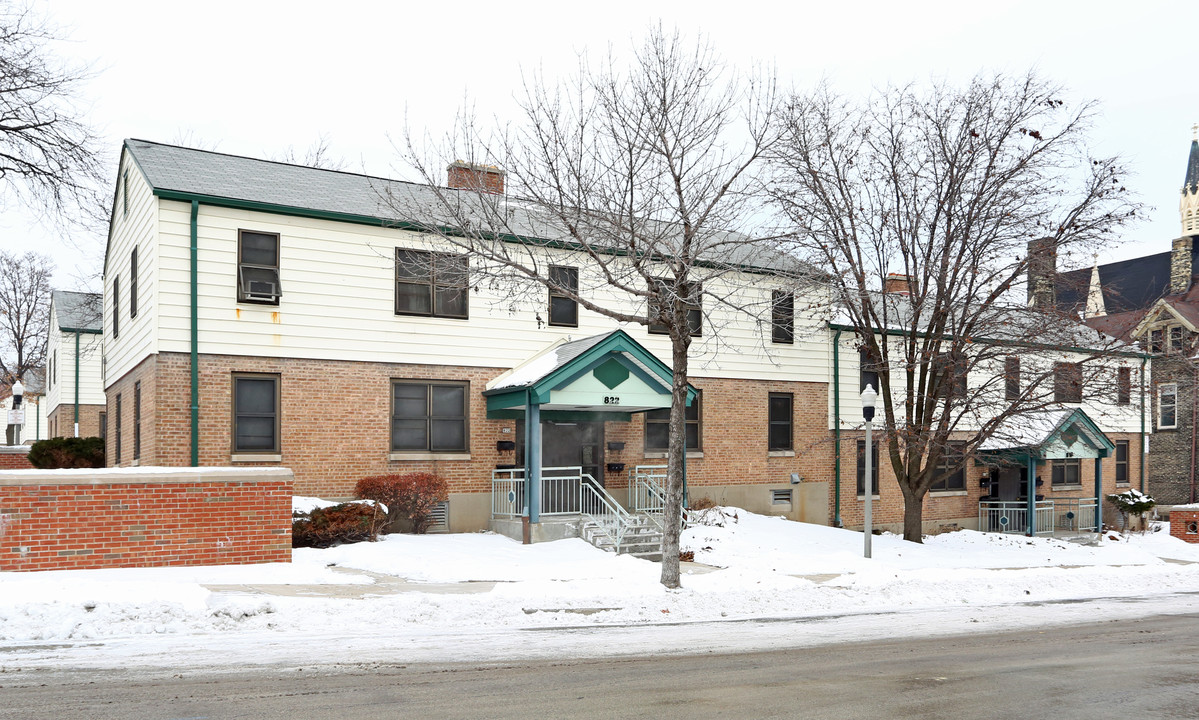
x=1188, y=206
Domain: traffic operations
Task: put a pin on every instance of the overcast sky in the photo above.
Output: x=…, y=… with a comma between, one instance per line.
x=254, y=78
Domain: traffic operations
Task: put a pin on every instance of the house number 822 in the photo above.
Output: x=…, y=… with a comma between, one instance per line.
x=611, y=400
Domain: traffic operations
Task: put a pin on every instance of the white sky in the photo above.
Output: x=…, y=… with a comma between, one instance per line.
x=254, y=78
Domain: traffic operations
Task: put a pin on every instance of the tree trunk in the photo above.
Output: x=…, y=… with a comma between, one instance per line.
x=913, y=516
x=677, y=447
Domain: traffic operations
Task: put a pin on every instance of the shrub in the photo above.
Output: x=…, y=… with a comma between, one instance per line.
x=336, y=525
x=67, y=452
x=413, y=496
x=1132, y=502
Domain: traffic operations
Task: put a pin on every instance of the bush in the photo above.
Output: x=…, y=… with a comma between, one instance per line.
x=1132, y=502
x=336, y=525
x=67, y=452
x=413, y=496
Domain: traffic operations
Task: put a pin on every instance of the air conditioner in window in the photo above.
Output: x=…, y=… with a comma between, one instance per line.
x=262, y=290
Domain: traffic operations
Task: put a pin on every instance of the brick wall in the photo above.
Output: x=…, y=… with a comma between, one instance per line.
x=58, y=520
x=62, y=421
x=15, y=458
x=1171, y=451
x=1184, y=524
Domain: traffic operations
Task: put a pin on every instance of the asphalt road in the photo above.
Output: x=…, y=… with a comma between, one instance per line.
x=1146, y=668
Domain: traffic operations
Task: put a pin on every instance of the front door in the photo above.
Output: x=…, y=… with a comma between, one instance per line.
x=1012, y=483
x=567, y=445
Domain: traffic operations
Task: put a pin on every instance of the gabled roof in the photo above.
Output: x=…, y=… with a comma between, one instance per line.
x=1127, y=285
x=1031, y=433
x=78, y=311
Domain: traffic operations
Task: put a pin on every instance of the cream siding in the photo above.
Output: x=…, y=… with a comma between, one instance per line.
x=138, y=228
x=338, y=284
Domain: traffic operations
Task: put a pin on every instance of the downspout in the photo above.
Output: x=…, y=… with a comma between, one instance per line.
x=76, y=383
x=195, y=338
x=1142, y=451
x=837, y=430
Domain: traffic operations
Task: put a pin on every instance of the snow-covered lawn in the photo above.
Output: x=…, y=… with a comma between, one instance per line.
x=765, y=568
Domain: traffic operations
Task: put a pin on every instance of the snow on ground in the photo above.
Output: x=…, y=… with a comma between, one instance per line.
x=409, y=589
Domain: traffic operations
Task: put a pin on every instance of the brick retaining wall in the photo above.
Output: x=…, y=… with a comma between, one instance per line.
x=15, y=457
x=79, y=519
x=1184, y=524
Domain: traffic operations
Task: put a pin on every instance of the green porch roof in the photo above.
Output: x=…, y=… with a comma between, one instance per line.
x=1048, y=435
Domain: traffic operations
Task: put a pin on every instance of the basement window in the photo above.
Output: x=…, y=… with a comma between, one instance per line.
x=780, y=497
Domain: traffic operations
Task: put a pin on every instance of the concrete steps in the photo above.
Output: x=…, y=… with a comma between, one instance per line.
x=643, y=539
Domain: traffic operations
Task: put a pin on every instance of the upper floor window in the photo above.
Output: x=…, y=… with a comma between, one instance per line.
x=255, y=413
x=564, y=283
x=950, y=375
x=1167, y=406
x=1123, y=386
x=689, y=301
x=258, y=267
x=779, y=420
x=429, y=283
x=116, y=307
x=1011, y=377
x=867, y=371
x=1176, y=338
x=657, y=427
x=1156, y=341
x=951, y=469
x=782, y=317
x=429, y=416
x=1067, y=382
x=125, y=194
x=133, y=283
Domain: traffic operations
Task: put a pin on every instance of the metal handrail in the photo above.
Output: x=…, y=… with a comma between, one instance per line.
x=602, y=509
x=1067, y=514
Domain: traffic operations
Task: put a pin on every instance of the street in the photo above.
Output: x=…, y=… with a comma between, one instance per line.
x=1142, y=668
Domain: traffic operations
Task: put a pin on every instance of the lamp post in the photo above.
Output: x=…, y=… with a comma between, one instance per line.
x=18, y=391
x=868, y=398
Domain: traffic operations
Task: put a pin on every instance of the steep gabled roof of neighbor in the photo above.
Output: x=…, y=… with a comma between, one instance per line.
x=1127, y=285
x=78, y=311
x=179, y=173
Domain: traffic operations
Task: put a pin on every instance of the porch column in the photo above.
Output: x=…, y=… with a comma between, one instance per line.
x=1032, y=496
x=1098, y=494
x=532, y=460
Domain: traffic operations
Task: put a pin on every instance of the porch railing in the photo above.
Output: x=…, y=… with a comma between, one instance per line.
x=602, y=509
x=564, y=491
x=508, y=493
x=648, y=494
x=1070, y=515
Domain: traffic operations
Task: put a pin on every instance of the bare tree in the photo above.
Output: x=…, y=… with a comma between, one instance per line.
x=946, y=187
x=24, y=313
x=648, y=170
x=317, y=155
x=48, y=153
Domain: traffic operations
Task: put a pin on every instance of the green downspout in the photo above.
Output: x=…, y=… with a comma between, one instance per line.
x=76, y=383
x=1142, y=424
x=195, y=337
x=837, y=429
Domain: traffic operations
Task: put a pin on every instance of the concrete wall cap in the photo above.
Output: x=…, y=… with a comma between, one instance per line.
x=143, y=475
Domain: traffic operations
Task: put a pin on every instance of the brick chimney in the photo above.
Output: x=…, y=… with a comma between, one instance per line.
x=1180, y=265
x=898, y=283
x=480, y=178
x=1042, y=272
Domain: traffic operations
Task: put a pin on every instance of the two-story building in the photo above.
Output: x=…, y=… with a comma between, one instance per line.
x=74, y=388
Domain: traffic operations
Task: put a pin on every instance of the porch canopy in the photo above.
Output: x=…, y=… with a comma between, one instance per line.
x=1027, y=438
x=599, y=378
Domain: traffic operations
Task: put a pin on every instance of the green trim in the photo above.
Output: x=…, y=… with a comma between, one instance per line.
x=1077, y=417
x=1142, y=448
x=85, y=331
x=837, y=429
x=996, y=341
x=562, y=415
x=195, y=336
x=76, y=383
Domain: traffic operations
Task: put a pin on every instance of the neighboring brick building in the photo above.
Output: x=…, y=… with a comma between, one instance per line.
x=74, y=386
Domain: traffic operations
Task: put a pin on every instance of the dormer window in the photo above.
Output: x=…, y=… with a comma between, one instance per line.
x=258, y=267
x=1175, y=339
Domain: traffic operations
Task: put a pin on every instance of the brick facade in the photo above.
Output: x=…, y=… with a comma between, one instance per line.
x=1184, y=524
x=15, y=458
x=1172, y=456
x=105, y=518
x=62, y=421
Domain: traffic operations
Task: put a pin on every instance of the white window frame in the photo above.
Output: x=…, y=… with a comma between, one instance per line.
x=1174, y=392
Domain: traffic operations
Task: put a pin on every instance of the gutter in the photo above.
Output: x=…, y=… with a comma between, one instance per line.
x=998, y=341
x=76, y=383
x=837, y=429
x=195, y=339
x=1143, y=357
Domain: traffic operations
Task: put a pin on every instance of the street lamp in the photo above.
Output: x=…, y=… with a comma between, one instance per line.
x=868, y=398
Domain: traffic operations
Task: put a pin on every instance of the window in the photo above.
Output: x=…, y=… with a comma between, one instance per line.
x=258, y=267
x=116, y=306
x=429, y=416
x=1123, y=386
x=690, y=302
x=950, y=376
x=433, y=284
x=951, y=469
x=1067, y=472
x=779, y=420
x=657, y=427
x=137, y=420
x=53, y=368
x=782, y=317
x=1121, y=462
x=1175, y=339
x=133, y=283
x=1156, y=342
x=862, y=468
x=103, y=426
x=1011, y=377
x=780, y=497
x=1167, y=406
x=867, y=371
x=116, y=451
x=563, y=310
x=125, y=194
x=255, y=413
x=1067, y=382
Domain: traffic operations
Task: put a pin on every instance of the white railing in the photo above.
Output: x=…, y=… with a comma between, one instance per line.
x=648, y=494
x=1072, y=515
x=601, y=508
x=508, y=493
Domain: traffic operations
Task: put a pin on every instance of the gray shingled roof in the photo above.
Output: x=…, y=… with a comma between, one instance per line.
x=78, y=310
x=232, y=177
